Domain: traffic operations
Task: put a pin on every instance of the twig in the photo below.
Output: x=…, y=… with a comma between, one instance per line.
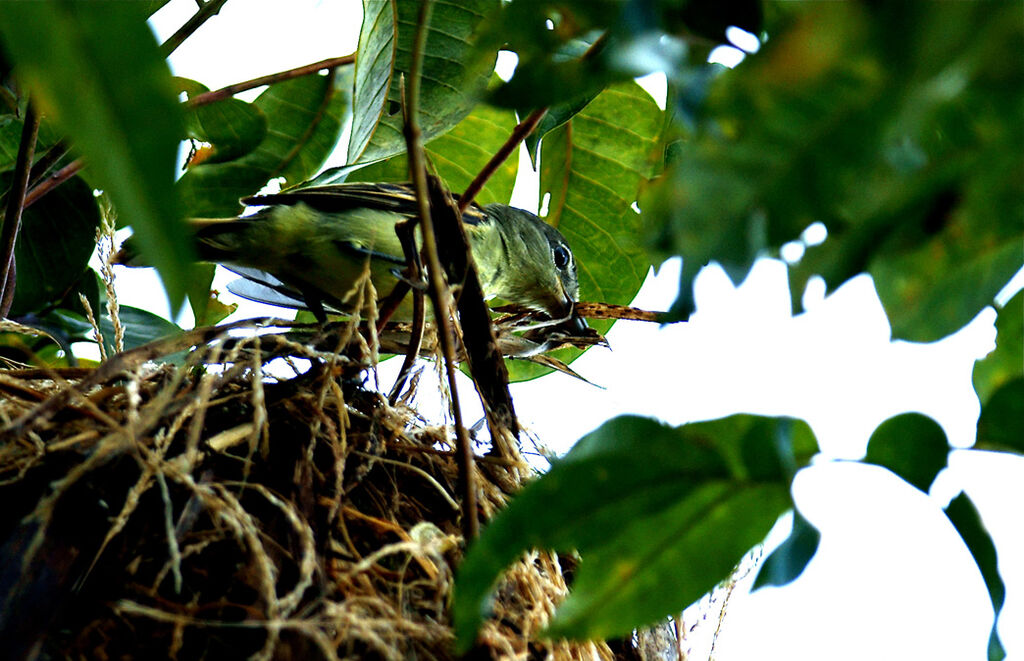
x=439, y=293
x=15, y=205
x=406, y=234
x=207, y=10
x=54, y=180
x=519, y=133
x=71, y=169
x=269, y=79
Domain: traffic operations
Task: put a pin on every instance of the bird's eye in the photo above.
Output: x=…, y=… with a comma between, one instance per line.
x=561, y=256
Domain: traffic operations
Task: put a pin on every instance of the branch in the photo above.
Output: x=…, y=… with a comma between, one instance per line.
x=439, y=293
x=519, y=133
x=15, y=205
x=206, y=11
x=270, y=79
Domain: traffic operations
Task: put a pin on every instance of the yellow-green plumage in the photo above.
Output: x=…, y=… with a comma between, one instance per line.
x=319, y=241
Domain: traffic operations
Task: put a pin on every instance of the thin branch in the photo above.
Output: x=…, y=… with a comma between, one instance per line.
x=54, y=180
x=269, y=79
x=15, y=205
x=519, y=133
x=439, y=293
x=206, y=11
x=70, y=170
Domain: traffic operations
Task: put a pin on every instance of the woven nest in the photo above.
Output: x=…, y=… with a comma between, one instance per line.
x=210, y=510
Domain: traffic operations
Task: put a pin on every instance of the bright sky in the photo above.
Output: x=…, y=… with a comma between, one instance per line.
x=891, y=579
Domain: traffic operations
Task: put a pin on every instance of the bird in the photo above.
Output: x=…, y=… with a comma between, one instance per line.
x=307, y=248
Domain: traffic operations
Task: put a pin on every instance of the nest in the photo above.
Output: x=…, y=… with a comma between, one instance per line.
x=211, y=510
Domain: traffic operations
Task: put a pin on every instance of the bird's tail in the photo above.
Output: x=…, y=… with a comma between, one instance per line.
x=203, y=232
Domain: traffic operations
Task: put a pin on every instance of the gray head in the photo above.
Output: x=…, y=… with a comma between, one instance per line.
x=538, y=269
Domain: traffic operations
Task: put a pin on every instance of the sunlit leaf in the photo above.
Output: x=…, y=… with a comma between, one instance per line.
x=594, y=167
x=1001, y=425
x=459, y=155
x=452, y=80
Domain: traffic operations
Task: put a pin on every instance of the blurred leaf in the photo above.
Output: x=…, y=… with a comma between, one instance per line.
x=594, y=167
x=207, y=308
x=10, y=138
x=654, y=535
x=789, y=559
x=57, y=237
x=1001, y=425
x=459, y=155
x=303, y=116
x=96, y=70
x=964, y=517
x=233, y=127
x=911, y=445
x=452, y=79
x=910, y=154
x=1007, y=361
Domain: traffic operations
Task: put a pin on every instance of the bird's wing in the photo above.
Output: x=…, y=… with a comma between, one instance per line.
x=334, y=198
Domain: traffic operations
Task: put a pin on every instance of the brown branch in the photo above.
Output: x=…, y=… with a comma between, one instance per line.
x=439, y=293
x=519, y=133
x=206, y=11
x=269, y=79
x=15, y=205
x=54, y=180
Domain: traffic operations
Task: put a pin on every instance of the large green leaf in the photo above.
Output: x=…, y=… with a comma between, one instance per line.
x=459, y=155
x=95, y=68
x=964, y=517
x=594, y=167
x=911, y=445
x=1007, y=361
x=653, y=535
x=454, y=76
x=304, y=117
x=910, y=154
x=57, y=237
x=232, y=127
x=1001, y=425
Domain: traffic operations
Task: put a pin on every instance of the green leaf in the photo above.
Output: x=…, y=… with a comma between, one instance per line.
x=10, y=139
x=304, y=117
x=140, y=327
x=1007, y=361
x=453, y=79
x=911, y=445
x=95, y=68
x=594, y=167
x=232, y=127
x=459, y=155
x=964, y=517
x=57, y=237
x=654, y=535
x=908, y=153
x=788, y=561
x=1001, y=425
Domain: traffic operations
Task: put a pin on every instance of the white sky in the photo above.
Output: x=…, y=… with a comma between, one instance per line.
x=891, y=579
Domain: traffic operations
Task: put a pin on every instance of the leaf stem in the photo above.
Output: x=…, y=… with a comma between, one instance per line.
x=15, y=205
x=439, y=292
x=269, y=79
x=206, y=11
